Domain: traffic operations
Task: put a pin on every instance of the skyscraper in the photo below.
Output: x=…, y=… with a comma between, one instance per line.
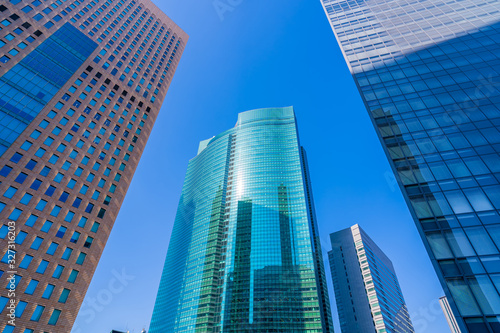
x=245, y=254
x=367, y=290
x=429, y=75
x=450, y=318
x=81, y=84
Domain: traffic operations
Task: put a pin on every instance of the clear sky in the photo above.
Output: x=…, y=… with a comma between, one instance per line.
x=259, y=54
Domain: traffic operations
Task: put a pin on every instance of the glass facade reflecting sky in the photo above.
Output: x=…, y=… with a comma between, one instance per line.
x=244, y=254
x=429, y=74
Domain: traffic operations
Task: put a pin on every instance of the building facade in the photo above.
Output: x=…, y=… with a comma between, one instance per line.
x=245, y=255
x=81, y=84
x=450, y=318
x=429, y=75
x=367, y=291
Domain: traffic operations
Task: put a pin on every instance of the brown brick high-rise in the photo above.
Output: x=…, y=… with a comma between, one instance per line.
x=81, y=85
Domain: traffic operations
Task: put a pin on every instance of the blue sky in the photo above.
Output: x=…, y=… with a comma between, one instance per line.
x=258, y=54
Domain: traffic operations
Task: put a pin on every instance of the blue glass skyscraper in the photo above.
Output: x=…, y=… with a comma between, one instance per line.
x=245, y=255
x=429, y=75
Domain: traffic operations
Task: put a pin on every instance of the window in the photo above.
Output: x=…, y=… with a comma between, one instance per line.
x=15, y=214
x=64, y=196
x=64, y=296
x=3, y=303
x=37, y=313
x=36, y=243
x=77, y=202
x=52, y=248
x=66, y=165
x=26, y=199
x=15, y=282
x=58, y=271
x=16, y=158
x=84, y=189
x=72, y=276
x=78, y=171
x=30, y=289
x=5, y=171
x=75, y=237
x=40, y=152
x=54, y=317
x=20, y=308
x=71, y=183
x=88, y=242
x=31, y=165
x=67, y=253
x=42, y=266
x=9, y=193
x=4, y=229
x=48, y=141
x=26, y=145
x=46, y=226
x=89, y=208
x=45, y=171
x=60, y=233
x=21, y=236
x=48, y=291
x=21, y=178
x=55, y=211
x=41, y=205
x=81, y=258
x=26, y=261
x=56, y=131
x=95, y=227
x=53, y=159
x=35, y=134
x=50, y=190
x=69, y=216
x=9, y=256
x=31, y=220
x=36, y=184
x=90, y=177
x=82, y=222
x=61, y=148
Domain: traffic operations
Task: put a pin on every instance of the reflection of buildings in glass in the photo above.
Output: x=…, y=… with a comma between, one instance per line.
x=429, y=75
x=245, y=254
x=278, y=297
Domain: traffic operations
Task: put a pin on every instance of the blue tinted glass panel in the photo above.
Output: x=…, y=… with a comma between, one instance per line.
x=30, y=85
